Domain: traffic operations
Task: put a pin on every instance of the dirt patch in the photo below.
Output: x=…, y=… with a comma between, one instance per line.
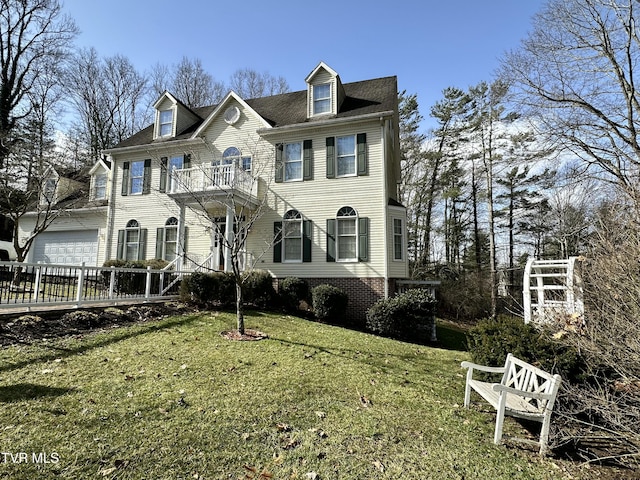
x=248, y=336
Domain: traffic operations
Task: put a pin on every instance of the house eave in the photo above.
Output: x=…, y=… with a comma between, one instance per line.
x=329, y=122
x=157, y=145
x=69, y=210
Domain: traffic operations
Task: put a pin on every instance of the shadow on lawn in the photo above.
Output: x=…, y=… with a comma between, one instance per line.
x=29, y=391
x=61, y=352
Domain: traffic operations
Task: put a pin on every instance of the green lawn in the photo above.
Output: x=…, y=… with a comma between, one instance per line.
x=172, y=399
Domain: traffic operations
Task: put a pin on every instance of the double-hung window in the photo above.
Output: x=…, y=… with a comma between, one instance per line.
x=398, y=239
x=175, y=163
x=292, y=161
x=136, y=177
x=166, y=123
x=321, y=98
x=346, y=155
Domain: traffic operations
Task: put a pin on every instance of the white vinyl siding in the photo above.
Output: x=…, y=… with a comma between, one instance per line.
x=320, y=200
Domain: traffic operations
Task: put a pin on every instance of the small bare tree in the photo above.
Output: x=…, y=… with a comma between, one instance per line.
x=602, y=413
x=244, y=197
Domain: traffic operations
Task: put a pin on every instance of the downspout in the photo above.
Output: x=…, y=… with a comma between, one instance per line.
x=110, y=212
x=385, y=201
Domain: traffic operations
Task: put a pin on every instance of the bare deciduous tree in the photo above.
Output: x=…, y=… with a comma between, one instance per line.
x=189, y=82
x=249, y=83
x=34, y=34
x=576, y=73
x=105, y=94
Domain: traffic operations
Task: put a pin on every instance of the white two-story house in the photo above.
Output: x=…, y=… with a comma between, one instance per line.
x=308, y=179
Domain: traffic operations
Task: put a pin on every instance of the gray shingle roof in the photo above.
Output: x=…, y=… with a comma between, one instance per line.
x=362, y=98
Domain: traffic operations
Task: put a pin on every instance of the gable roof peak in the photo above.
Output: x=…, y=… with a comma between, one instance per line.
x=321, y=66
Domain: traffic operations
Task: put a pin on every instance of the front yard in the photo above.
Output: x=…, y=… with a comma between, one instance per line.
x=172, y=399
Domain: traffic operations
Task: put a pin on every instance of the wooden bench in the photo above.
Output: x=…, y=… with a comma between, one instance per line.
x=525, y=392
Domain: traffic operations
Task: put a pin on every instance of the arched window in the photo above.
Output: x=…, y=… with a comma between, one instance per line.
x=132, y=241
x=347, y=234
x=292, y=236
x=233, y=156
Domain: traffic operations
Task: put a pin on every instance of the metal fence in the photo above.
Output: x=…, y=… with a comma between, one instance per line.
x=29, y=284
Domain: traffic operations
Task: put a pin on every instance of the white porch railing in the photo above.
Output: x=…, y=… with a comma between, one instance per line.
x=207, y=178
x=30, y=284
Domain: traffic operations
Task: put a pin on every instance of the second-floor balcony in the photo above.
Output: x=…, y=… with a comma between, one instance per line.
x=214, y=180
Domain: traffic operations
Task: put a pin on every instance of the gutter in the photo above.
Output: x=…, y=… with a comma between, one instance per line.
x=330, y=122
x=154, y=146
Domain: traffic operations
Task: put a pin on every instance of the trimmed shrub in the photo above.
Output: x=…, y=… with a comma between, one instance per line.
x=293, y=290
x=329, y=302
x=209, y=289
x=258, y=288
x=408, y=315
x=133, y=282
x=491, y=340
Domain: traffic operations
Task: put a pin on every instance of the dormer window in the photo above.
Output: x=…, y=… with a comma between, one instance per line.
x=322, y=98
x=100, y=187
x=49, y=190
x=166, y=123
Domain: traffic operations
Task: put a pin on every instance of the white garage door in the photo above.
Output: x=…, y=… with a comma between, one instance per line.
x=68, y=248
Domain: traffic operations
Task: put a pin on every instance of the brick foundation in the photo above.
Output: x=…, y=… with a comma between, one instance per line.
x=362, y=293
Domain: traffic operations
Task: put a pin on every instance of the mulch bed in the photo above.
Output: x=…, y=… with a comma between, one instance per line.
x=248, y=336
x=28, y=328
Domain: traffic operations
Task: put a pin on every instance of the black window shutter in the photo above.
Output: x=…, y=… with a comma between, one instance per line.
x=331, y=240
x=163, y=175
x=159, y=242
x=331, y=157
x=186, y=162
x=307, y=160
x=363, y=239
x=120, y=249
x=125, y=178
x=142, y=244
x=277, y=242
x=279, y=166
x=363, y=164
x=306, y=240
x=146, y=179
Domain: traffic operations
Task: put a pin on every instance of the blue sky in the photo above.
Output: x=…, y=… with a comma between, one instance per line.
x=428, y=44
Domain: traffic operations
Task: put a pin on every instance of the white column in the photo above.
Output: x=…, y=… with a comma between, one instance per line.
x=180, y=250
x=229, y=239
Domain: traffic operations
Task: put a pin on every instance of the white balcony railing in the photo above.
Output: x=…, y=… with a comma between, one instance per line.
x=208, y=178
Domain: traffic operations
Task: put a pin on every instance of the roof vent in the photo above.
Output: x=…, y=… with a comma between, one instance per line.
x=232, y=115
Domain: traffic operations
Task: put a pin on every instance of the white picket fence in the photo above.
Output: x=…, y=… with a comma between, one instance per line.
x=28, y=285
